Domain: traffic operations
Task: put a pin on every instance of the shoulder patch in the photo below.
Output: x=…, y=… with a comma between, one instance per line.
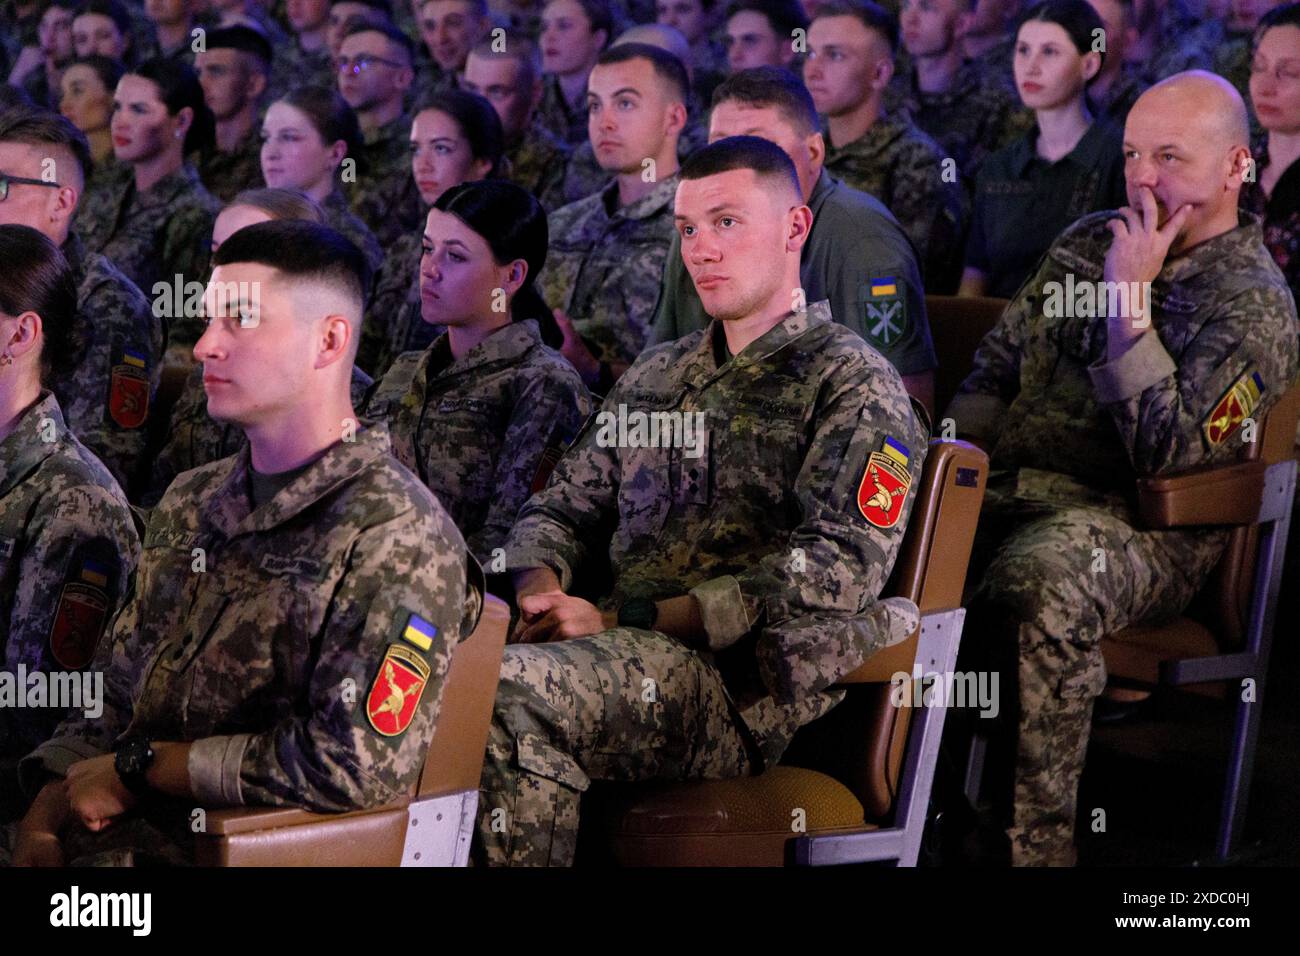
x=82, y=611
x=1234, y=407
x=884, y=303
x=128, y=394
x=884, y=484
x=396, y=690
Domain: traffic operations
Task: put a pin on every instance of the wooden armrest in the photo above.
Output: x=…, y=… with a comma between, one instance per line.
x=1212, y=495
x=233, y=820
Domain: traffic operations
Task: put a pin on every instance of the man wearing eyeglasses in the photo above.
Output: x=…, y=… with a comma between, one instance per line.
x=374, y=72
x=106, y=396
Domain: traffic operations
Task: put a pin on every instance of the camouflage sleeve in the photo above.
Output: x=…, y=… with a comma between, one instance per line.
x=72, y=579
x=929, y=210
x=547, y=413
x=994, y=381
x=361, y=736
x=575, y=514
x=1174, y=415
x=868, y=442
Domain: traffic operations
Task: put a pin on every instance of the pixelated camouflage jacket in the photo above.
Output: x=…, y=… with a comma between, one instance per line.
x=194, y=438
x=537, y=163
x=384, y=196
x=152, y=236
x=764, y=525
x=394, y=322
x=106, y=395
x=903, y=168
x=68, y=547
x=267, y=639
x=477, y=429
x=1045, y=399
x=605, y=265
x=340, y=218
x=225, y=175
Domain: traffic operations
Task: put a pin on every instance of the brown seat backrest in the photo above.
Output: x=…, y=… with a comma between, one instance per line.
x=957, y=325
x=455, y=758
x=862, y=742
x=1223, y=604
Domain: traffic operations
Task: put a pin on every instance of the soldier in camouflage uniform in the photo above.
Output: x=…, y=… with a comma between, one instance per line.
x=306, y=60
x=968, y=114
x=856, y=257
x=67, y=541
x=320, y=579
x=384, y=196
x=480, y=413
x=747, y=557
x=234, y=71
x=393, y=324
x=106, y=390
x=608, y=250
x=884, y=155
x=1075, y=408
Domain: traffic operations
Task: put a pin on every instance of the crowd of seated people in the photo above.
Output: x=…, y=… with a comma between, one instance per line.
x=357, y=305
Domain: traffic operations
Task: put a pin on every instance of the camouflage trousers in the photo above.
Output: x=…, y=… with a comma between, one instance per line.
x=623, y=705
x=1058, y=579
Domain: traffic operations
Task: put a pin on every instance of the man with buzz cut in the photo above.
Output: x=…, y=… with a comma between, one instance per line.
x=748, y=547
x=857, y=257
x=105, y=392
x=234, y=69
x=325, y=565
x=608, y=250
x=374, y=73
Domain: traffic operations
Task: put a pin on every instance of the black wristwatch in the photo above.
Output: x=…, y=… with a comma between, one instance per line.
x=638, y=612
x=133, y=758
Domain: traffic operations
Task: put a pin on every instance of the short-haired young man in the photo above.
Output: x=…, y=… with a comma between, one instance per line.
x=790, y=427
x=234, y=70
x=325, y=564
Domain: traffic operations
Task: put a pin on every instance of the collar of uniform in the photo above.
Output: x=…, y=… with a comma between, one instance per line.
x=506, y=344
x=887, y=128
x=1087, y=152
x=184, y=181
x=699, y=366
x=25, y=447
x=1209, y=254
x=229, y=511
x=75, y=252
x=648, y=205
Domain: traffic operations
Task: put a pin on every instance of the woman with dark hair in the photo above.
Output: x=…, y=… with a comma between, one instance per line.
x=1275, y=97
x=456, y=137
x=154, y=220
x=573, y=34
x=1068, y=165
x=67, y=542
x=483, y=412
x=306, y=136
x=87, y=100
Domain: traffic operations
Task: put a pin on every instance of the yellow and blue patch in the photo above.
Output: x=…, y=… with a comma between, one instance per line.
x=92, y=572
x=419, y=632
x=884, y=286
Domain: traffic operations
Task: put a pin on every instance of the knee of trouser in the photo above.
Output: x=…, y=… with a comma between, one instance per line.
x=1039, y=592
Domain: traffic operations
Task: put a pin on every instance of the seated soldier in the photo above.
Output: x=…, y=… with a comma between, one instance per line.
x=105, y=388
x=748, y=544
x=449, y=29
x=153, y=220
x=761, y=33
x=67, y=541
x=487, y=406
x=306, y=59
x=856, y=255
x=194, y=437
x=374, y=75
x=1070, y=163
x=511, y=80
x=234, y=69
x=1075, y=403
x=989, y=40
x=851, y=48
x=697, y=21
x=326, y=565
x=608, y=250
x=573, y=32
x=1119, y=82
x=969, y=114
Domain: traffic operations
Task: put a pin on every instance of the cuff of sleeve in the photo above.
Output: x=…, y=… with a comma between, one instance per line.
x=722, y=610
x=1144, y=364
x=214, y=765
x=977, y=415
x=524, y=559
x=54, y=756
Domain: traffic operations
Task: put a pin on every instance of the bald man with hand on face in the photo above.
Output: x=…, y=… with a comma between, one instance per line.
x=1150, y=340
